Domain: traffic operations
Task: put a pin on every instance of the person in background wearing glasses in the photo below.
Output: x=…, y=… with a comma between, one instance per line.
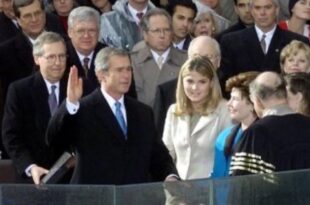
x=16, y=60
x=157, y=61
x=30, y=103
x=10, y=19
x=83, y=31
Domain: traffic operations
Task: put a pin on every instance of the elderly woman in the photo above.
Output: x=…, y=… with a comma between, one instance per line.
x=204, y=24
x=298, y=92
x=300, y=17
x=193, y=123
x=295, y=57
x=241, y=111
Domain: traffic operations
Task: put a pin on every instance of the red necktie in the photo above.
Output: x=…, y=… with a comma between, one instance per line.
x=140, y=15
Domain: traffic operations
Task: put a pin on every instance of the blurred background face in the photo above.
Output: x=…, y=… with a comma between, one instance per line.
x=52, y=69
x=182, y=21
x=243, y=10
x=211, y=3
x=32, y=19
x=265, y=14
x=296, y=63
x=197, y=87
x=239, y=107
x=203, y=25
x=302, y=9
x=84, y=36
x=63, y=7
x=101, y=4
x=7, y=8
x=159, y=34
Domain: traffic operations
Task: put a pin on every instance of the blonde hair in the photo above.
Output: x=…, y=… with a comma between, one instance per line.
x=203, y=66
x=292, y=49
x=201, y=15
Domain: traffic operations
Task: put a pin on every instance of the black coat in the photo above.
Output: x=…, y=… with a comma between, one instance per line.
x=103, y=154
x=25, y=120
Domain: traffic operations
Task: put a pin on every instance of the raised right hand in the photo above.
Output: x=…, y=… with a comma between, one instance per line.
x=75, y=86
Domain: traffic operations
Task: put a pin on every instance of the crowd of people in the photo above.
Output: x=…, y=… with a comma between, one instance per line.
x=143, y=91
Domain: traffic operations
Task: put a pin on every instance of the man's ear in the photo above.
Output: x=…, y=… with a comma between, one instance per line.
x=36, y=60
x=101, y=75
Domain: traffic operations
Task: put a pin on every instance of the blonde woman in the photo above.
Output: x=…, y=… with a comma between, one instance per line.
x=198, y=116
x=204, y=24
x=295, y=58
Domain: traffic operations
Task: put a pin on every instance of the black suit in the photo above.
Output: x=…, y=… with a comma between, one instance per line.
x=73, y=59
x=236, y=27
x=165, y=96
x=16, y=62
x=25, y=120
x=7, y=27
x=103, y=154
x=241, y=51
x=187, y=41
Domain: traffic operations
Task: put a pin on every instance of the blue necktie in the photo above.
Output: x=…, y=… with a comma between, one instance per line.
x=52, y=100
x=120, y=118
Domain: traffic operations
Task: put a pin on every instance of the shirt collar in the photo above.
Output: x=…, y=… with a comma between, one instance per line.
x=81, y=57
x=268, y=34
x=134, y=12
x=164, y=55
x=180, y=44
x=111, y=101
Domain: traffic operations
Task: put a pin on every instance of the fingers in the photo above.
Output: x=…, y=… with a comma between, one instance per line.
x=37, y=172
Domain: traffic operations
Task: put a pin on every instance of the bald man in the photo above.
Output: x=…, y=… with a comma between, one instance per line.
x=165, y=93
x=279, y=141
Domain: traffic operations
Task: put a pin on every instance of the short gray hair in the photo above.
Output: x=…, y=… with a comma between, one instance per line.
x=145, y=21
x=103, y=56
x=265, y=92
x=46, y=38
x=275, y=2
x=83, y=13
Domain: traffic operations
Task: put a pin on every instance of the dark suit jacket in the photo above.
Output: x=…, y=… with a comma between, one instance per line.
x=103, y=154
x=187, y=41
x=236, y=27
x=73, y=59
x=165, y=96
x=7, y=28
x=241, y=51
x=25, y=120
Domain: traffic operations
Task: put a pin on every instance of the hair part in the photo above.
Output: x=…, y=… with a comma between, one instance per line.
x=23, y=3
x=46, y=38
x=82, y=14
x=203, y=66
x=292, y=49
x=103, y=56
x=145, y=21
x=241, y=82
x=189, y=4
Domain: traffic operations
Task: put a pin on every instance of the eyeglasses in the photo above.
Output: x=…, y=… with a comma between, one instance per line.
x=52, y=58
x=30, y=16
x=82, y=32
x=159, y=31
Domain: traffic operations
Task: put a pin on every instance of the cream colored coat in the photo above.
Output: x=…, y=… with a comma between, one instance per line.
x=193, y=153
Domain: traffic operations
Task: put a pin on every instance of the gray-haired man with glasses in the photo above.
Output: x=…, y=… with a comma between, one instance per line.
x=157, y=61
x=29, y=105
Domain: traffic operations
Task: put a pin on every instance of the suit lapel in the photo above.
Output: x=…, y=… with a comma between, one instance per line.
x=24, y=52
x=274, y=48
x=40, y=99
x=253, y=44
x=203, y=123
x=106, y=115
